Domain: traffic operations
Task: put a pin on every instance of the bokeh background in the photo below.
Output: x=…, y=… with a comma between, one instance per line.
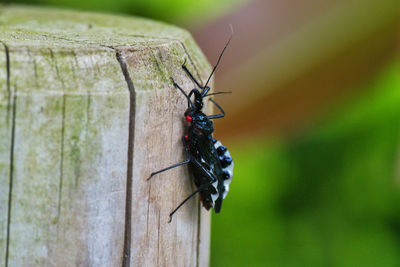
x=313, y=125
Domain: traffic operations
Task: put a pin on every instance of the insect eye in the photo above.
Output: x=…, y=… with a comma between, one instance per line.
x=189, y=118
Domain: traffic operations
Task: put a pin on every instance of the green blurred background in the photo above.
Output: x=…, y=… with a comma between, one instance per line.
x=313, y=125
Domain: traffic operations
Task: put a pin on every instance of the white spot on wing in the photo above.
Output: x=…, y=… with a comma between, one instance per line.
x=226, y=190
x=217, y=144
x=214, y=197
x=228, y=181
x=228, y=169
x=215, y=184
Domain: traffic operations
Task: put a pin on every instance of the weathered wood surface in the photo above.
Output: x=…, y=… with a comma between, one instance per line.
x=87, y=112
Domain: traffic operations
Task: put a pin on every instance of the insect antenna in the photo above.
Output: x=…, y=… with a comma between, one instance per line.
x=219, y=59
x=190, y=74
x=183, y=92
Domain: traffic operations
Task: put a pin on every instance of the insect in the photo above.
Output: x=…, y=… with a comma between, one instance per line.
x=209, y=160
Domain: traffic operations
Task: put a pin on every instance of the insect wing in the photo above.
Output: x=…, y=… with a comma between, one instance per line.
x=214, y=158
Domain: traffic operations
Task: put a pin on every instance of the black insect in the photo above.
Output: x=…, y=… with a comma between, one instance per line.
x=209, y=161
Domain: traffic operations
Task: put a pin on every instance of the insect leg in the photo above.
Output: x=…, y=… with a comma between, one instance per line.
x=168, y=168
x=204, y=88
x=201, y=188
x=204, y=170
x=217, y=115
x=175, y=165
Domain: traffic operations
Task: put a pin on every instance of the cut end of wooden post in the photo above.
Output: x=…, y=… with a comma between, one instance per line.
x=87, y=112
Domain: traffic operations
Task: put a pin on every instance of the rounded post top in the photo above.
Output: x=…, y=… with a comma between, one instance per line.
x=32, y=26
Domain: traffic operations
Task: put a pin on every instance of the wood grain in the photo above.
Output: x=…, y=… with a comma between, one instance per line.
x=87, y=112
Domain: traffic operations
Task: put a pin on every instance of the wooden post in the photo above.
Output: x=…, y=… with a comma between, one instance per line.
x=87, y=112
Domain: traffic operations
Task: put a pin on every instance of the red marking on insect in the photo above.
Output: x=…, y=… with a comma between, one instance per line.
x=189, y=118
x=186, y=137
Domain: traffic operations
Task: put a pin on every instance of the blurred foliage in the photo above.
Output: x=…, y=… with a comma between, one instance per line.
x=329, y=197
x=172, y=11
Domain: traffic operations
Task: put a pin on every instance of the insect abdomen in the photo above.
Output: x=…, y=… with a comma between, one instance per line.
x=224, y=175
